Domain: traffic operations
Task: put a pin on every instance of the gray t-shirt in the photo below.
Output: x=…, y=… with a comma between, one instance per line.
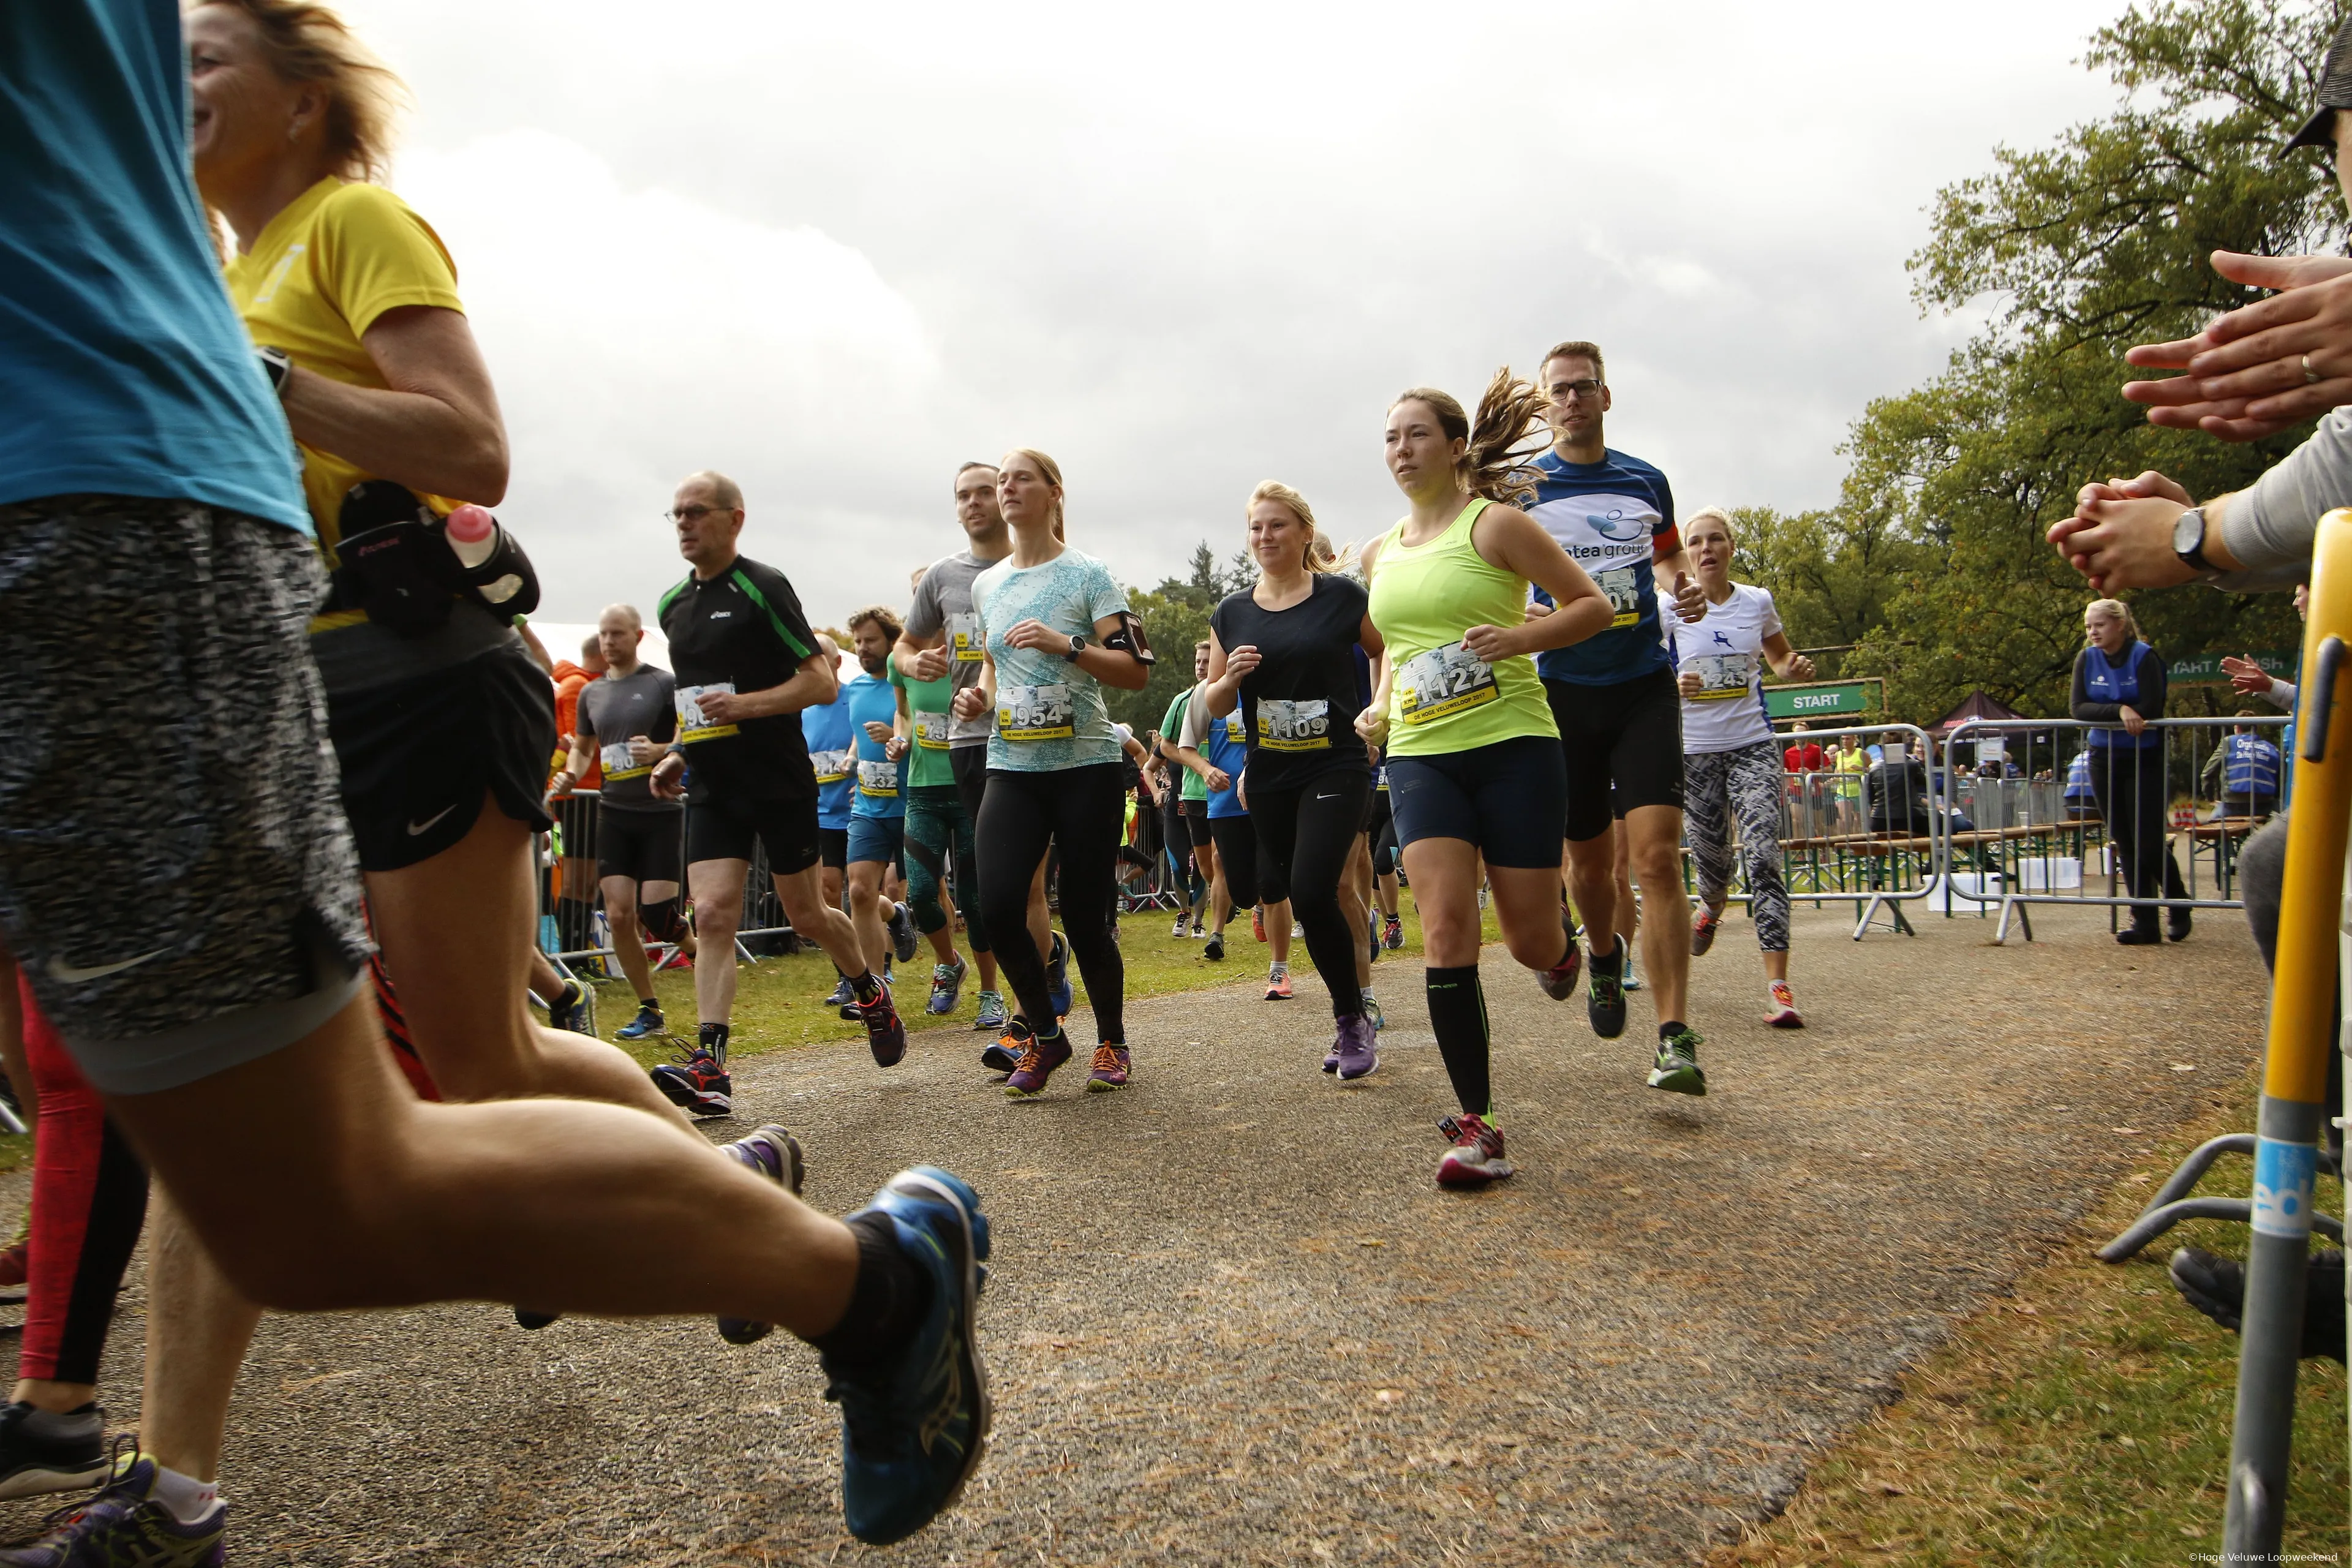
x=943, y=608
x=611, y=710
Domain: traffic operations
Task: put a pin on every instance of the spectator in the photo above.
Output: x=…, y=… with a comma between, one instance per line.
x=575, y=917
x=1896, y=787
x=1804, y=755
x=2118, y=680
x=2082, y=801
x=1850, y=764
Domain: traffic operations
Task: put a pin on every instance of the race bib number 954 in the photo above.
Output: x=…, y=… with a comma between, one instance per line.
x=1444, y=680
x=1033, y=712
x=691, y=725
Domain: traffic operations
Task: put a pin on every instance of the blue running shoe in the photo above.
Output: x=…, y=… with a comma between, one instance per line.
x=774, y=1153
x=644, y=1026
x=573, y=1010
x=913, y=1430
x=123, y=1524
x=1057, y=976
x=903, y=936
x=947, y=984
x=993, y=1014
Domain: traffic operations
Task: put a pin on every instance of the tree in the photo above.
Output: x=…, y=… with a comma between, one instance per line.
x=2078, y=251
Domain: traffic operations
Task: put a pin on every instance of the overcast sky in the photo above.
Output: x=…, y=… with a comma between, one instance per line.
x=836, y=250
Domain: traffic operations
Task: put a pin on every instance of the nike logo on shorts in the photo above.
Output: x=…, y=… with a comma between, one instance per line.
x=66, y=974
x=418, y=828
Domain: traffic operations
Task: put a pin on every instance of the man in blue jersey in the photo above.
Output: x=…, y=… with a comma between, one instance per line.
x=1615, y=698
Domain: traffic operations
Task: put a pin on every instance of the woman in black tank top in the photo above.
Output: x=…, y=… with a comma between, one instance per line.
x=1285, y=652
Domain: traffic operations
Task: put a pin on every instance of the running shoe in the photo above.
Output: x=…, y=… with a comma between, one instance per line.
x=1199, y=931
x=1372, y=1011
x=1703, y=929
x=903, y=935
x=1357, y=1055
x=774, y=1153
x=1257, y=921
x=1057, y=975
x=1278, y=982
x=913, y=1429
x=1604, y=995
x=843, y=994
x=1037, y=1065
x=1558, y=982
x=994, y=1014
x=1676, y=1069
x=697, y=1083
x=1782, y=1013
x=678, y=959
x=886, y=1036
x=1215, y=950
x=1633, y=976
x=1476, y=1157
x=644, y=1026
x=68, y=1457
x=1392, y=933
x=947, y=984
x=573, y=1010
x=2217, y=1288
x=1180, y=924
x=124, y=1527
x=1112, y=1068
x=1297, y=931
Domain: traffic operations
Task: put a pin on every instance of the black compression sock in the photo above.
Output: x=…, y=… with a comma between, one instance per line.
x=867, y=986
x=1614, y=959
x=889, y=1302
x=712, y=1038
x=650, y=1002
x=1668, y=1029
x=1457, y=1015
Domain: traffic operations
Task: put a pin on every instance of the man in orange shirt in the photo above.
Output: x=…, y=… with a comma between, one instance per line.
x=575, y=922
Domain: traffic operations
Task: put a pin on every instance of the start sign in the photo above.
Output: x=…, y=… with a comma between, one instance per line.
x=1829, y=699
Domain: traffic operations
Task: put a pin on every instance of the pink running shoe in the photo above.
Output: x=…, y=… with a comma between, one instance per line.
x=1782, y=1012
x=1476, y=1157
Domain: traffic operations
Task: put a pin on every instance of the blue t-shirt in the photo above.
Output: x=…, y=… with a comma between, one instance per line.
x=1049, y=712
x=1611, y=517
x=876, y=792
x=128, y=372
x=2105, y=680
x=831, y=753
x=1226, y=746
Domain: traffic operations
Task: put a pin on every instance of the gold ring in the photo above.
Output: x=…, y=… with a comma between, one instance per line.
x=2310, y=376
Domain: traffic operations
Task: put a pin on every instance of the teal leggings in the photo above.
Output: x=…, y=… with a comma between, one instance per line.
x=935, y=823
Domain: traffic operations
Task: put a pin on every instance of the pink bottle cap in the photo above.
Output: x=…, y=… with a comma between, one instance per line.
x=471, y=523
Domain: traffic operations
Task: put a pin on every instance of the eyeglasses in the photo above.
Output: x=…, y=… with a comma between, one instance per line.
x=1578, y=391
x=692, y=513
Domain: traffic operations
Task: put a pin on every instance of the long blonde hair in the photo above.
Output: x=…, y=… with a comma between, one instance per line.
x=308, y=42
x=1320, y=554
x=2116, y=609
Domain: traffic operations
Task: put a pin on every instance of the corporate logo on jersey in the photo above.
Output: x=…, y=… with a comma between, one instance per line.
x=1616, y=526
x=1724, y=640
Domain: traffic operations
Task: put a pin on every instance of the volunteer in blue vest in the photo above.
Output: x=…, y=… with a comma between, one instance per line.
x=2249, y=765
x=832, y=754
x=2119, y=682
x=877, y=798
x=1614, y=699
x=1731, y=759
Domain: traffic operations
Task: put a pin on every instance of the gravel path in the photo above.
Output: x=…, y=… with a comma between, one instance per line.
x=1234, y=1321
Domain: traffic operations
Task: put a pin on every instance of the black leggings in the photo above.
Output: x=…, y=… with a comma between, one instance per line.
x=1304, y=837
x=1082, y=811
x=2129, y=783
x=1249, y=879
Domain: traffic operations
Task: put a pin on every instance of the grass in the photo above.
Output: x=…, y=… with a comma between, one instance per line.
x=2084, y=1419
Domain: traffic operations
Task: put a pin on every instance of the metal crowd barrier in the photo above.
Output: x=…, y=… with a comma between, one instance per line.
x=763, y=912
x=1834, y=849
x=2030, y=829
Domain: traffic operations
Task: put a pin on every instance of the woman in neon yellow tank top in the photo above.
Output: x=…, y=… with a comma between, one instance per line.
x=1474, y=758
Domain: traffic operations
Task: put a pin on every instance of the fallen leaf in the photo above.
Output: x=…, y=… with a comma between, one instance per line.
x=2133, y=1130
x=2184, y=1067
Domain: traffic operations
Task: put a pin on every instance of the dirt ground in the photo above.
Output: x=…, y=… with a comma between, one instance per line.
x=1234, y=1320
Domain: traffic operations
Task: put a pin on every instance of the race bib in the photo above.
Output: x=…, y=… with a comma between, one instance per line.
x=879, y=780
x=1444, y=680
x=964, y=639
x=831, y=767
x=1234, y=733
x=1033, y=712
x=1294, y=726
x=618, y=764
x=1624, y=591
x=1722, y=676
x=1380, y=777
x=691, y=725
x=931, y=732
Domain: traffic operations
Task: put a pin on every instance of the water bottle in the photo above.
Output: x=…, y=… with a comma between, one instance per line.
x=473, y=533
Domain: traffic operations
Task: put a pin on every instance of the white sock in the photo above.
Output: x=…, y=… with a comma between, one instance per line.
x=1368, y=992
x=188, y=1499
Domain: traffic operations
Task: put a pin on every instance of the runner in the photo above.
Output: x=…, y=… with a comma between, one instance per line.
x=877, y=812
x=1731, y=756
x=1055, y=628
x=1281, y=661
x=938, y=846
x=1381, y=832
x=832, y=743
x=747, y=663
x=624, y=723
x=576, y=872
x=1215, y=749
x=1614, y=699
x=139, y=457
x=1191, y=847
x=1473, y=755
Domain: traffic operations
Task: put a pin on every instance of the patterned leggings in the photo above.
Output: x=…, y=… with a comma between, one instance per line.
x=1746, y=782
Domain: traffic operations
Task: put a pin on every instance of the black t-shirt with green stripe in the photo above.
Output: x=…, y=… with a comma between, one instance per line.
x=743, y=628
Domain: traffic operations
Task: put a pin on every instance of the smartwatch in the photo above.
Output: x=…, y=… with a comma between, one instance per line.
x=277, y=367
x=2189, y=541
x=1077, y=646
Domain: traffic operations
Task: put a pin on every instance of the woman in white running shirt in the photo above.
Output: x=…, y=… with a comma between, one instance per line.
x=1731, y=759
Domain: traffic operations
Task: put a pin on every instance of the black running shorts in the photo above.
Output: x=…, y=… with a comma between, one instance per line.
x=1629, y=735
x=419, y=755
x=833, y=847
x=643, y=845
x=1506, y=798
x=726, y=829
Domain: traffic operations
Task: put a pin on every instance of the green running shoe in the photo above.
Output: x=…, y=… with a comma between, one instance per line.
x=1677, y=1070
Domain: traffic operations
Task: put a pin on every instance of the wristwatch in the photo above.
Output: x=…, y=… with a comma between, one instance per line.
x=2189, y=541
x=276, y=365
x=1077, y=646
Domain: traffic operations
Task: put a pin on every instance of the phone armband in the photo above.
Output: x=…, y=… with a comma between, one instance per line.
x=1129, y=640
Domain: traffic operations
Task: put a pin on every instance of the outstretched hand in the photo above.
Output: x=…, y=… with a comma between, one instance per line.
x=2246, y=370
